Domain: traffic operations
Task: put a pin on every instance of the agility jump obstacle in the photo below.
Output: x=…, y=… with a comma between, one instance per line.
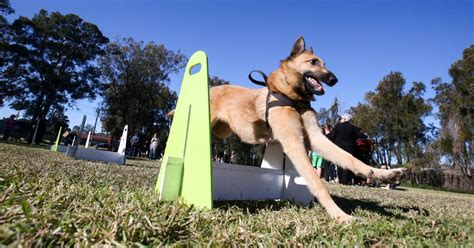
x=187, y=172
x=94, y=154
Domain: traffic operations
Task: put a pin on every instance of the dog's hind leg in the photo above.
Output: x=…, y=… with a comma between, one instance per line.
x=221, y=129
x=333, y=153
x=288, y=130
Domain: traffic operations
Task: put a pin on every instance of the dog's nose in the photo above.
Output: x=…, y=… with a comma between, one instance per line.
x=332, y=79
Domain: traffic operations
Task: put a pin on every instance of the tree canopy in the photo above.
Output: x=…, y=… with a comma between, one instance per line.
x=136, y=92
x=5, y=9
x=393, y=118
x=49, y=61
x=455, y=101
x=329, y=116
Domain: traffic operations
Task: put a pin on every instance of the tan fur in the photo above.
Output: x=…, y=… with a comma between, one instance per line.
x=241, y=111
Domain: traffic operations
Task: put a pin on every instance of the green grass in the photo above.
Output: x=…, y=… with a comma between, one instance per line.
x=47, y=199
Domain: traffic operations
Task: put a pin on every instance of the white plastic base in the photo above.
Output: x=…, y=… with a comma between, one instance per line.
x=276, y=179
x=239, y=182
x=92, y=154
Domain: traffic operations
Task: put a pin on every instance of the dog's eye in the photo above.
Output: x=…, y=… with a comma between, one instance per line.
x=314, y=61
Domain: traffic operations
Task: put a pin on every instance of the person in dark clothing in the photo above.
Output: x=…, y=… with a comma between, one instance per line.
x=363, y=152
x=69, y=137
x=344, y=135
x=329, y=169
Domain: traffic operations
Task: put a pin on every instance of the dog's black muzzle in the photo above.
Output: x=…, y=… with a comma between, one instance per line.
x=312, y=81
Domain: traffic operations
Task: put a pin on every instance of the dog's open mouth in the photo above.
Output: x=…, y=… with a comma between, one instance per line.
x=313, y=85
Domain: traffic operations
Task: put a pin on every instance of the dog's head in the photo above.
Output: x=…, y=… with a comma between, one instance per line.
x=303, y=73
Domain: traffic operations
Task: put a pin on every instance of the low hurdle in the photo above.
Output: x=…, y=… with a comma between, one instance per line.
x=187, y=171
x=94, y=154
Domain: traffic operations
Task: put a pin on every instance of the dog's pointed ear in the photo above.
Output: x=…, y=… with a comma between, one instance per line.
x=310, y=49
x=298, y=47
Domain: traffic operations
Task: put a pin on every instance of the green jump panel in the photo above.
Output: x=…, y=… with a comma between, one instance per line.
x=55, y=146
x=173, y=179
x=186, y=170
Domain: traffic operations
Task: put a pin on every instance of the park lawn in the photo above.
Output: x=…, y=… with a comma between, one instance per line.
x=49, y=199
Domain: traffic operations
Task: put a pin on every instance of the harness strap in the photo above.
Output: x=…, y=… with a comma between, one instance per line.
x=262, y=83
x=282, y=100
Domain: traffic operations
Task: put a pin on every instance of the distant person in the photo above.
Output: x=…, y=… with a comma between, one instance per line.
x=134, y=144
x=226, y=157
x=364, y=148
x=327, y=129
x=145, y=150
x=364, y=154
x=69, y=137
x=329, y=169
x=220, y=157
x=9, y=125
x=345, y=135
x=317, y=162
x=233, y=157
x=153, y=146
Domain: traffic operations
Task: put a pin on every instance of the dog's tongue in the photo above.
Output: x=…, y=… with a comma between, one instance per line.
x=316, y=84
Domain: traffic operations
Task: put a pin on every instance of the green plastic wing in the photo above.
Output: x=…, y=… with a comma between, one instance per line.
x=54, y=148
x=186, y=169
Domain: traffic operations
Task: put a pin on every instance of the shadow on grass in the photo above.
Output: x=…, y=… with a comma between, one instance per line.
x=23, y=143
x=254, y=206
x=142, y=166
x=350, y=205
x=400, y=189
x=137, y=158
x=142, y=162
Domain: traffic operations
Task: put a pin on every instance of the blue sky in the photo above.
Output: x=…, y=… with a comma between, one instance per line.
x=360, y=41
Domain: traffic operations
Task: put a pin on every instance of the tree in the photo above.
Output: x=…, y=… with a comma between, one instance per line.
x=5, y=9
x=136, y=92
x=329, y=116
x=393, y=118
x=455, y=101
x=88, y=128
x=216, y=81
x=49, y=62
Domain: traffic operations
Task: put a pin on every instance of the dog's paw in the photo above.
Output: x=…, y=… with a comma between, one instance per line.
x=392, y=175
x=345, y=219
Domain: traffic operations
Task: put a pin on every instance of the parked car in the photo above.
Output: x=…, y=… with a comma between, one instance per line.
x=101, y=145
x=21, y=129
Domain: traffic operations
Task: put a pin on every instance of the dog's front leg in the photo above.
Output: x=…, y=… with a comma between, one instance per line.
x=328, y=150
x=288, y=130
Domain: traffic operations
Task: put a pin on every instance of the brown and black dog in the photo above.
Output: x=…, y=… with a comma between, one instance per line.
x=289, y=120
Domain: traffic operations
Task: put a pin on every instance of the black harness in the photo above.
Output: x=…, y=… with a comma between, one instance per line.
x=282, y=100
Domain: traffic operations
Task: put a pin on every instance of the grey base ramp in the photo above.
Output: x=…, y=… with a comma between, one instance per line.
x=92, y=154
